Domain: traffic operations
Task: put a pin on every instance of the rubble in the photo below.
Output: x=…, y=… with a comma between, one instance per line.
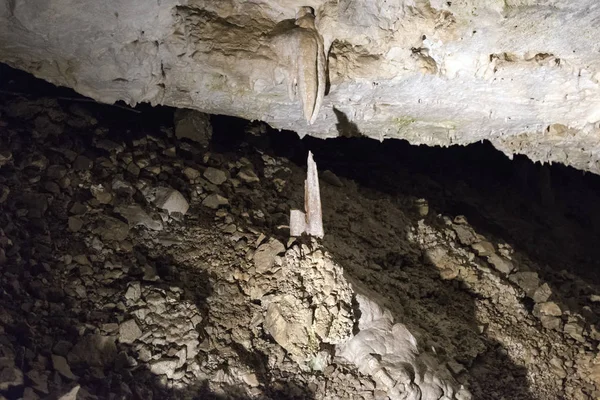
x=109, y=292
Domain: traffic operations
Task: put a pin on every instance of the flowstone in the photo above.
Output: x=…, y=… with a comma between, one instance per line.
x=389, y=353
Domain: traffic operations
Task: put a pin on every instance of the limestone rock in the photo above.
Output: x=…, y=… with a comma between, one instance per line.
x=83, y=163
x=549, y=308
x=483, y=249
x=135, y=215
x=542, y=294
x=10, y=375
x=193, y=125
x=101, y=194
x=421, y=78
x=422, y=207
x=191, y=173
x=61, y=365
x=75, y=224
x=71, y=394
x=501, y=264
x=215, y=201
x=215, y=176
x=575, y=330
x=528, y=281
x=171, y=200
x=129, y=331
x=164, y=367
x=465, y=234
x=39, y=380
x=264, y=257
x=94, y=350
x=248, y=175
x=113, y=229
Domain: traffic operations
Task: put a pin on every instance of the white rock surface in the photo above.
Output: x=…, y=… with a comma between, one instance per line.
x=389, y=353
x=522, y=74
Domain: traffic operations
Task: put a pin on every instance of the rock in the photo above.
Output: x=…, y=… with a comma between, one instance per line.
x=36, y=204
x=4, y=192
x=557, y=366
x=422, y=207
x=78, y=209
x=171, y=200
x=549, y=322
x=331, y=178
x=542, y=294
x=191, y=173
x=5, y=157
x=82, y=163
x=62, y=348
x=164, y=366
x=251, y=380
x=215, y=201
x=122, y=187
x=454, y=62
x=501, y=264
x=129, y=331
x=483, y=249
x=39, y=380
x=56, y=172
x=133, y=169
x=29, y=394
x=247, y=175
x=94, y=350
x=465, y=234
x=71, y=394
x=215, y=176
x=193, y=125
x=287, y=334
x=594, y=298
x=575, y=330
x=135, y=216
x=75, y=224
x=549, y=308
x=10, y=375
x=52, y=187
x=443, y=261
x=109, y=146
x=133, y=292
x=455, y=367
x=527, y=281
x=101, y=194
x=264, y=257
x=460, y=220
x=113, y=229
x=61, y=365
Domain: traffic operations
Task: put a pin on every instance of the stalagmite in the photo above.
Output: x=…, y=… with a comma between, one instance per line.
x=311, y=220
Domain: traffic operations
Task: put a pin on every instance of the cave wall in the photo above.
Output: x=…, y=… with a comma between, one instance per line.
x=523, y=74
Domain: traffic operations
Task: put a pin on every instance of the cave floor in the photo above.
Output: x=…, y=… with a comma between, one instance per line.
x=104, y=294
